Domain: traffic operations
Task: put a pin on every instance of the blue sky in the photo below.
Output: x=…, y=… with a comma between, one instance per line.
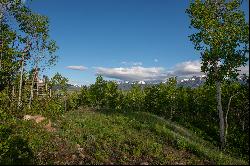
x=120, y=39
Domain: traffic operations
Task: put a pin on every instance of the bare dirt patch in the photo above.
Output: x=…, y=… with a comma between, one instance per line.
x=39, y=119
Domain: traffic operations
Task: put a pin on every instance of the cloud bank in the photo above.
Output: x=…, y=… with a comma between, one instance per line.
x=188, y=68
x=185, y=69
x=139, y=73
x=135, y=73
x=81, y=68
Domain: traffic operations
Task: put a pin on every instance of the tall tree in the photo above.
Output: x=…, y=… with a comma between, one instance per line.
x=8, y=52
x=30, y=33
x=222, y=38
x=43, y=49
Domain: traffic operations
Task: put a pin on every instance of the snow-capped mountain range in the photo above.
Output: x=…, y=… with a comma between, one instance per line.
x=192, y=82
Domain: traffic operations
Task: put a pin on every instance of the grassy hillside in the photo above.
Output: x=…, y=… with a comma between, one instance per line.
x=87, y=136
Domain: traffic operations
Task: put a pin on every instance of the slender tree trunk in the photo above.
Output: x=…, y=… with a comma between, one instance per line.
x=20, y=83
x=65, y=104
x=226, y=123
x=37, y=87
x=13, y=91
x=50, y=93
x=32, y=90
x=221, y=115
x=12, y=97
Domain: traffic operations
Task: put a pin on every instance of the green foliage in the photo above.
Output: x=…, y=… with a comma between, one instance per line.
x=25, y=34
x=134, y=99
x=161, y=99
x=112, y=96
x=133, y=137
x=48, y=107
x=13, y=148
x=59, y=80
x=97, y=92
x=194, y=108
x=126, y=137
x=222, y=36
x=83, y=97
x=74, y=101
x=103, y=94
x=115, y=138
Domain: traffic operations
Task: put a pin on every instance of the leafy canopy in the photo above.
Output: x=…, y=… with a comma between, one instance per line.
x=222, y=36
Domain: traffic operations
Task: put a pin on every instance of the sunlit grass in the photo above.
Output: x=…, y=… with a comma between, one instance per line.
x=106, y=137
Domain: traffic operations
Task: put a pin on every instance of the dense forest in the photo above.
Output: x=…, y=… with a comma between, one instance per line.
x=216, y=112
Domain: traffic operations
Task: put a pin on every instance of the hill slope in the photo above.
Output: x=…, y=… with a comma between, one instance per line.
x=93, y=137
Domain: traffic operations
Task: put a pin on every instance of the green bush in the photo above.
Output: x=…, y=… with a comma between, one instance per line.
x=13, y=148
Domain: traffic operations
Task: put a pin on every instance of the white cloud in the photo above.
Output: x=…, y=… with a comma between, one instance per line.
x=244, y=69
x=131, y=63
x=188, y=68
x=155, y=60
x=81, y=68
x=138, y=73
x=135, y=73
x=137, y=63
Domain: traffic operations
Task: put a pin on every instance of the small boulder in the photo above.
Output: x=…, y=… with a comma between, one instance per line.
x=144, y=163
x=27, y=117
x=49, y=128
x=37, y=118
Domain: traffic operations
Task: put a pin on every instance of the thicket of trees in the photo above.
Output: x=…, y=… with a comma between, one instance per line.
x=25, y=48
x=192, y=107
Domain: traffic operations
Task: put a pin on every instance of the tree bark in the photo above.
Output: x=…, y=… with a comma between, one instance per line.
x=32, y=89
x=65, y=104
x=226, y=123
x=37, y=87
x=20, y=83
x=221, y=115
x=13, y=92
x=50, y=93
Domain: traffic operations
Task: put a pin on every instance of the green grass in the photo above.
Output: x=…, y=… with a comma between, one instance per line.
x=101, y=137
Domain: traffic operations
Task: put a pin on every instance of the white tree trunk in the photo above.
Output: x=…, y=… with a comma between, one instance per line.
x=32, y=90
x=65, y=104
x=13, y=91
x=50, y=92
x=20, y=83
x=37, y=88
x=226, y=123
x=221, y=115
